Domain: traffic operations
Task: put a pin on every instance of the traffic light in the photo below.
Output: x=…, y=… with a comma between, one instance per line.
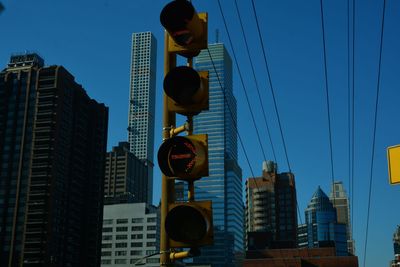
x=189, y=224
x=187, y=90
x=184, y=157
x=187, y=29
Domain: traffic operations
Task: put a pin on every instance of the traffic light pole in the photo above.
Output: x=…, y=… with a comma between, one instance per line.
x=167, y=185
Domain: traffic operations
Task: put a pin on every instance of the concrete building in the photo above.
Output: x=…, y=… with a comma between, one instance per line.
x=53, y=140
x=125, y=175
x=396, y=248
x=340, y=201
x=224, y=184
x=271, y=210
x=130, y=233
x=142, y=103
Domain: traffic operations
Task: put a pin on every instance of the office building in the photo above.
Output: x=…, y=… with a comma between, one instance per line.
x=142, y=103
x=271, y=211
x=130, y=233
x=53, y=140
x=224, y=184
x=323, y=230
x=125, y=176
x=340, y=201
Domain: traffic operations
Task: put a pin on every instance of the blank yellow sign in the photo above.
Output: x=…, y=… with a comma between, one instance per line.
x=393, y=154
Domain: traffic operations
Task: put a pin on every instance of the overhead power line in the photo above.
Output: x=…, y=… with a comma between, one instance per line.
x=378, y=85
x=270, y=84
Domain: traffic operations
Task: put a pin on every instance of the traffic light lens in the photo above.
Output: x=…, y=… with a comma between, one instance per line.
x=186, y=224
x=182, y=84
x=175, y=17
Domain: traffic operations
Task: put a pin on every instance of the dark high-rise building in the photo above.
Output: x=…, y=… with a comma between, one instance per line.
x=125, y=176
x=271, y=218
x=52, y=151
x=323, y=229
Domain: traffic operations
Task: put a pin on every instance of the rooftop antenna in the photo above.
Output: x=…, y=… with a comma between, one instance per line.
x=216, y=36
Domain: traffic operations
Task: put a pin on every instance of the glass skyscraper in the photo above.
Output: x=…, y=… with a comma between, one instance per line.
x=142, y=102
x=224, y=184
x=323, y=230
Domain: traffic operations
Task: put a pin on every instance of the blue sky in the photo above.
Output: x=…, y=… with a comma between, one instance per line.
x=92, y=40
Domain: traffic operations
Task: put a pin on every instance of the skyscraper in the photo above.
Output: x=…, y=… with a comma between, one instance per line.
x=53, y=140
x=142, y=102
x=323, y=230
x=224, y=183
x=271, y=211
x=396, y=248
x=125, y=176
x=340, y=201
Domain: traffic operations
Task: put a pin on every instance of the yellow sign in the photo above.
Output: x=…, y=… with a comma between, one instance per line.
x=393, y=154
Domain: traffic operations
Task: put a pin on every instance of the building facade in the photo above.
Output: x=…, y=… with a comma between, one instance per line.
x=271, y=210
x=323, y=230
x=53, y=139
x=340, y=201
x=396, y=248
x=224, y=184
x=125, y=174
x=130, y=233
x=142, y=103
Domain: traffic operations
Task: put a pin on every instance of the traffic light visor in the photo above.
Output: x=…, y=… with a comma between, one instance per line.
x=181, y=21
x=183, y=85
x=186, y=224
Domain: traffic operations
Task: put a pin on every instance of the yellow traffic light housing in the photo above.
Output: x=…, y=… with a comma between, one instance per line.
x=184, y=157
x=189, y=224
x=187, y=89
x=187, y=29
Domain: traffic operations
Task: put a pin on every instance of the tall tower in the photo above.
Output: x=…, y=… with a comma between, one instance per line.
x=53, y=140
x=271, y=210
x=142, y=102
x=224, y=185
x=340, y=201
x=323, y=230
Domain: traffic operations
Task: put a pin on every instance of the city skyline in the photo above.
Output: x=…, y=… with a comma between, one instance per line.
x=293, y=40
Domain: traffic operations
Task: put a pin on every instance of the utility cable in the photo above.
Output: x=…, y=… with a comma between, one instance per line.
x=270, y=85
x=255, y=80
x=374, y=133
x=352, y=120
x=327, y=98
x=241, y=80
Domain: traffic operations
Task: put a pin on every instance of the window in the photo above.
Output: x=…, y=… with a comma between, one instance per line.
x=122, y=229
x=136, y=253
x=152, y=260
x=107, y=237
x=121, y=237
x=151, y=235
x=105, y=261
x=106, y=245
x=137, y=228
x=120, y=253
x=151, y=244
x=137, y=236
x=119, y=221
x=107, y=229
x=151, y=227
x=120, y=261
x=136, y=244
x=106, y=253
x=151, y=219
x=121, y=245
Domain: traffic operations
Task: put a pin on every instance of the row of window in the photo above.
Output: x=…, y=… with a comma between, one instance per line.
x=125, y=220
x=125, y=245
x=134, y=236
x=132, y=261
x=124, y=253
